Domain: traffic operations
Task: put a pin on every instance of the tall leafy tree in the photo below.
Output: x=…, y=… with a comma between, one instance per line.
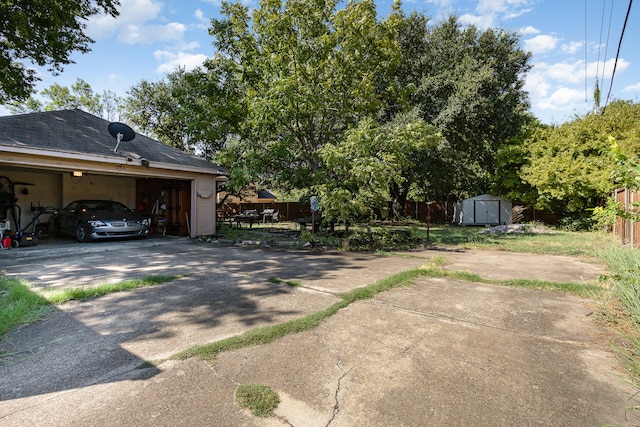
x=466, y=82
x=571, y=167
x=372, y=159
x=43, y=33
x=469, y=84
x=80, y=95
x=308, y=73
x=194, y=111
x=507, y=179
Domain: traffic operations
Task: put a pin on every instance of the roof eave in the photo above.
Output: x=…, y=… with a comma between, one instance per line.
x=63, y=154
x=219, y=171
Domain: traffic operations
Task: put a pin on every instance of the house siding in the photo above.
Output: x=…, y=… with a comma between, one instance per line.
x=205, y=206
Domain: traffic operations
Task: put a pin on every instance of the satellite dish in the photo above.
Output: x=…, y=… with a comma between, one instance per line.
x=120, y=132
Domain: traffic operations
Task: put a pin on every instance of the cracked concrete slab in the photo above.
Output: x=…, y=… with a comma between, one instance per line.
x=440, y=353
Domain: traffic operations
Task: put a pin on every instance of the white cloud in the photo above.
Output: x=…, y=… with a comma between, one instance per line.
x=632, y=88
x=136, y=24
x=199, y=14
x=541, y=44
x=563, y=98
x=572, y=47
x=560, y=87
x=537, y=83
x=134, y=12
x=172, y=60
x=146, y=34
x=490, y=12
x=480, y=21
x=573, y=73
x=203, y=22
x=529, y=30
x=600, y=69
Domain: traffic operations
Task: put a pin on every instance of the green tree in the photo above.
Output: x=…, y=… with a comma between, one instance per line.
x=43, y=33
x=194, y=111
x=80, y=95
x=361, y=168
x=570, y=165
x=308, y=74
x=469, y=84
x=507, y=179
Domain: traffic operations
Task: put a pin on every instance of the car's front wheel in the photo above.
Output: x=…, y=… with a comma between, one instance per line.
x=82, y=235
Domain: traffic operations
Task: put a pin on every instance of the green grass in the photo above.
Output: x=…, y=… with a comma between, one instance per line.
x=587, y=244
x=268, y=334
x=624, y=265
x=586, y=290
x=260, y=335
x=19, y=304
x=259, y=399
x=65, y=295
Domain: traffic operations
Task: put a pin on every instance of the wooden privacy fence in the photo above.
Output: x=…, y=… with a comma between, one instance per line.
x=439, y=212
x=625, y=229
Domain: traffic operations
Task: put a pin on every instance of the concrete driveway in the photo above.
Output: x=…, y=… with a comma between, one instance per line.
x=440, y=353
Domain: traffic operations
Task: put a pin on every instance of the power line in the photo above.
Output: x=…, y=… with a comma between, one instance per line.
x=604, y=4
x=586, y=77
x=615, y=64
x=606, y=46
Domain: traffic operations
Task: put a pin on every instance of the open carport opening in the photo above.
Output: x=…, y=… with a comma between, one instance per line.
x=34, y=189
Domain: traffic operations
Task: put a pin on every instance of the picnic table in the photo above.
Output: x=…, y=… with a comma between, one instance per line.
x=249, y=216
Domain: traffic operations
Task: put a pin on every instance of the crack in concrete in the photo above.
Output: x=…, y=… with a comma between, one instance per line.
x=345, y=373
x=454, y=319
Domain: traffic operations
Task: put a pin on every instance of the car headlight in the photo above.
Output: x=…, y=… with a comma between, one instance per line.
x=97, y=223
x=145, y=222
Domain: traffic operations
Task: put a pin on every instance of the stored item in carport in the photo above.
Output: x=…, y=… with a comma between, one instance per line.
x=21, y=239
x=28, y=239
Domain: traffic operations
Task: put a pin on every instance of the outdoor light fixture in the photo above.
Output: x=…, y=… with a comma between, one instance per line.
x=76, y=174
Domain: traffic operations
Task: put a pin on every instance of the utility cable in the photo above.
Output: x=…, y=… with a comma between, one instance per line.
x=615, y=64
x=606, y=46
x=586, y=77
x=604, y=4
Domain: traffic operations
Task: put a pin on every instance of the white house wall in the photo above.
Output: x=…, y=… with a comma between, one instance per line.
x=205, y=206
x=44, y=191
x=90, y=186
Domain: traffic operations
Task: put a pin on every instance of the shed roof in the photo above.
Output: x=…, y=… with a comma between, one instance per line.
x=487, y=197
x=78, y=132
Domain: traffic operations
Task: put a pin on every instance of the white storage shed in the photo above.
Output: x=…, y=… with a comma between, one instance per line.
x=484, y=209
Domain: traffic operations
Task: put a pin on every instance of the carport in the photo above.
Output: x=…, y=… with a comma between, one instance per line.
x=52, y=158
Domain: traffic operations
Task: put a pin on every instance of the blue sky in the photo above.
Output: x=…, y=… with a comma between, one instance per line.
x=152, y=37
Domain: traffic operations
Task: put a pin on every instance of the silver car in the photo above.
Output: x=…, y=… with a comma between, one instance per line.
x=100, y=219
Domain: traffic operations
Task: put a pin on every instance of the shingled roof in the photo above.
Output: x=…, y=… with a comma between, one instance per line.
x=78, y=132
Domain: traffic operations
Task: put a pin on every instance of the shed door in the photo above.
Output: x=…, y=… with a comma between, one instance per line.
x=486, y=211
